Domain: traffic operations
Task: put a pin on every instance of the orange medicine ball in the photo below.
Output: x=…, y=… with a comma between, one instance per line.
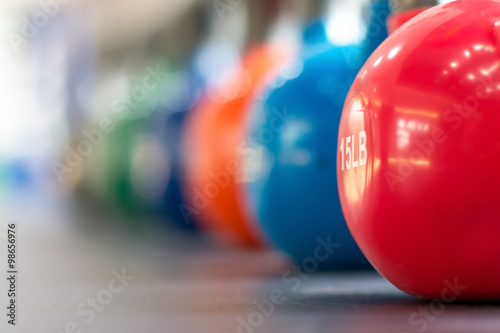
x=214, y=142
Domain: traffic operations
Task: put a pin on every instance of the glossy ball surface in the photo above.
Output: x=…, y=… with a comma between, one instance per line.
x=213, y=141
x=291, y=174
x=418, y=153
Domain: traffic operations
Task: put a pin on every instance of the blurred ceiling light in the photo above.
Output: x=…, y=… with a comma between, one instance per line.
x=345, y=24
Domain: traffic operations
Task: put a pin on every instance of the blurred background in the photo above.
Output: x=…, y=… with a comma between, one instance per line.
x=89, y=88
x=94, y=101
x=68, y=66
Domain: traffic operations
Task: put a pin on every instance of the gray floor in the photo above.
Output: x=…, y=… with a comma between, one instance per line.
x=180, y=283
